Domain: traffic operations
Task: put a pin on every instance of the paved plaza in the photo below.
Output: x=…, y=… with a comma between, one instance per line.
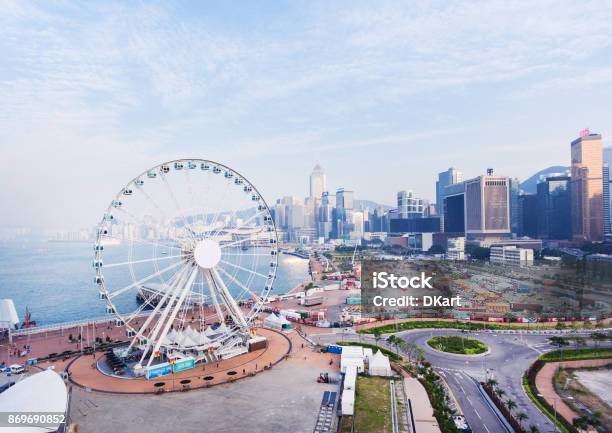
x=284, y=399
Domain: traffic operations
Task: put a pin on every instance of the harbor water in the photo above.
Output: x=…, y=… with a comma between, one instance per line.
x=54, y=280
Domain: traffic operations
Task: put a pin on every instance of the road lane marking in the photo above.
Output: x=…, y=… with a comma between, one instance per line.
x=477, y=414
x=468, y=399
x=486, y=428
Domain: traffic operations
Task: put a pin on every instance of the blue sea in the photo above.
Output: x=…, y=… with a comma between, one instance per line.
x=54, y=280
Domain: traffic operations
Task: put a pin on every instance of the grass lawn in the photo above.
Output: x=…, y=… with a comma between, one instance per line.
x=372, y=405
x=460, y=345
x=577, y=354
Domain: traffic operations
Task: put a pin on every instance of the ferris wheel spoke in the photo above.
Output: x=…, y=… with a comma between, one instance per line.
x=179, y=303
x=235, y=243
x=164, y=305
x=246, y=255
x=213, y=296
x=251, y=218
x=238, y=283
x=141, y=241
x=244, y=269
x=114, y=294
x=230, y=303
x=152, y=202
x=232, y=215
x=181, y=212
x=134, y=262
x=179, y=276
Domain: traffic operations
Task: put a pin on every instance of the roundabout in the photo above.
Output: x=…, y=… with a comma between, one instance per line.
x=458, y=345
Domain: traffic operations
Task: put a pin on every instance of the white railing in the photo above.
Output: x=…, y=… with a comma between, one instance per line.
x=68, y=325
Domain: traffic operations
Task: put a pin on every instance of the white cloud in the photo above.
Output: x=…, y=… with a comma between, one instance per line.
x=120, y=86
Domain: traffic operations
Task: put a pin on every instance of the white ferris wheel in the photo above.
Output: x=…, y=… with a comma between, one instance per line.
x=185, y=257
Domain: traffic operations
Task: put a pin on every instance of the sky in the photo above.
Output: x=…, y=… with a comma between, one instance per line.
x=384, y=95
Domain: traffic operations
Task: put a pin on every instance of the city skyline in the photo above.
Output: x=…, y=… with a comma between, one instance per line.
x=95, y=94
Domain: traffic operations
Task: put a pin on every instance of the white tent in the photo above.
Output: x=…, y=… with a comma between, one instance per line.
x=275, y=322
x=41, y=392
x=379, y=365
x=188, y=341
x=350, y=377
x=209, y=332
x=351, y=356
x=8, y=314
x=352, y=352
x=348, y=402
x=203, y=339
x=191, y=333
x=346, y=363
x=172, y=335
x=221, y=329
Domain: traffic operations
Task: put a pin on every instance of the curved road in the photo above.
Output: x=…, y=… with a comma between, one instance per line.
x=509, y=358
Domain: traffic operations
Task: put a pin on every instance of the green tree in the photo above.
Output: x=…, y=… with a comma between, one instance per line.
x=511, y=404
x=533, y=429
x=581, y=422
x=521, y=416
x=558, y=341
x=598, y=337
x=377, y=335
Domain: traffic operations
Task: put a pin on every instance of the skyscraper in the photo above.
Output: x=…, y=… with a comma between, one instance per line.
x=326, y=215
x=587, y=187
x=317, y=182
x=554, y=207
x=487, y=207
x=448, y=177
x=343, y=215
x=607, y=204
x=514, y=210
x=528, y=221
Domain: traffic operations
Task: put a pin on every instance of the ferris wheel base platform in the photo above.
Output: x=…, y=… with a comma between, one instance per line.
x=83, y=372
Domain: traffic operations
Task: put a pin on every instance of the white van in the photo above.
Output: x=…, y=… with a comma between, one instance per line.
x=17, y=369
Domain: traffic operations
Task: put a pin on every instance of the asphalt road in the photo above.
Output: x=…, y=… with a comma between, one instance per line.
x=509, y=358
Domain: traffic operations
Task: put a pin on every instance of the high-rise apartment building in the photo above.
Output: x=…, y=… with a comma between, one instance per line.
x=409, y=206
x=587, y=187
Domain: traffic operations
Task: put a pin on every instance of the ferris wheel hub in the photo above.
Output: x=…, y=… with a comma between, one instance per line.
x=207, y=253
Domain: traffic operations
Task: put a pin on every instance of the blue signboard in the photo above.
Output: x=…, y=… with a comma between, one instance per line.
x=334, y=349
x=158, y=370
x=183, y=364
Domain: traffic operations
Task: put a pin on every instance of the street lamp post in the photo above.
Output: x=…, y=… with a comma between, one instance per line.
x=554, y=399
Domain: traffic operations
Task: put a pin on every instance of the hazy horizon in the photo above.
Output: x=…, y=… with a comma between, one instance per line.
x=383, y=96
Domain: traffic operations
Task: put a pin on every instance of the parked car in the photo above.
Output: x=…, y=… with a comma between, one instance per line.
x=6, y=386
x=17, y=369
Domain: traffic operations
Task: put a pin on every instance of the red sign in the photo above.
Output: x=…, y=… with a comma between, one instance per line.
x=585, y=132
